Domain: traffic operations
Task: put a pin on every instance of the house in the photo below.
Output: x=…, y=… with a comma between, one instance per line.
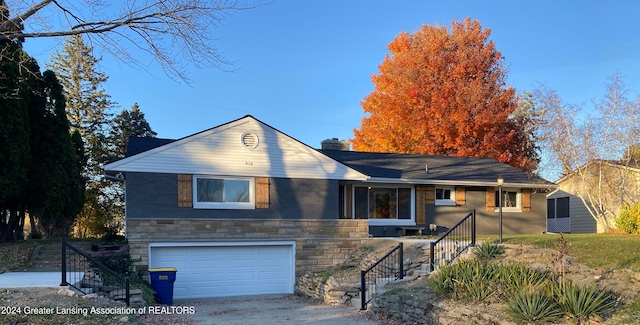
x=567, y=213
x=242, y=208
x=611, y=183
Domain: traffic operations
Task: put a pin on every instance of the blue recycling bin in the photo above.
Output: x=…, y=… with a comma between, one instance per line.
x=162, y=280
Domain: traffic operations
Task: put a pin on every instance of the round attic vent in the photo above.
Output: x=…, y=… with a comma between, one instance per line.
x=249, y=140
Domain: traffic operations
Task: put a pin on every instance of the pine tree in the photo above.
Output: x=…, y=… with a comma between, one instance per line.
x=88, y=110
x=56, y=187
x=88, y=104
x=129, y=124
x=16, y=72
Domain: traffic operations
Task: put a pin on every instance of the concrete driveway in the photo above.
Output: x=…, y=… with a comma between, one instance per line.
x=270, y=309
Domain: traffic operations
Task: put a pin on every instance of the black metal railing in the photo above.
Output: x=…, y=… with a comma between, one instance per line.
x=87, y=275
x=389, y=268
x=454, y=242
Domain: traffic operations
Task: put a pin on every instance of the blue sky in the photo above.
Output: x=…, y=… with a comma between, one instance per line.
x=304, y=66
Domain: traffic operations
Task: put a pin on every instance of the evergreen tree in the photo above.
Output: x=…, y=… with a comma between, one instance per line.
x=88, y=107
x=129, y=124
x=88, y=104
x=16, y=71
x=56, y=187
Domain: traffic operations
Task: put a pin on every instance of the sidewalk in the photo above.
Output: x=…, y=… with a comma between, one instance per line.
x=31, y=279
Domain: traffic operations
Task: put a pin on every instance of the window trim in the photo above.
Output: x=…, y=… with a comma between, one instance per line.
x=224, y=205
x=387, y=222
x=518, y=207
x=451, y=201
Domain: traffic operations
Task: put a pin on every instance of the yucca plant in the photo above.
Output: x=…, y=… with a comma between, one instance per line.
x=516, y=277
x=533, y=306
x=582, y=302
x=469, y=279
x=488, y=250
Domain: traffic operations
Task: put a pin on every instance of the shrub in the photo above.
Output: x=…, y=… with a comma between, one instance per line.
x=629, y=219
x=533, y=306
x=469, y=279
x=583, y=302
x=120, y=263
x=518, y=277
x=488, y=250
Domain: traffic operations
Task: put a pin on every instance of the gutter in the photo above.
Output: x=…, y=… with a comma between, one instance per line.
x=458, y=183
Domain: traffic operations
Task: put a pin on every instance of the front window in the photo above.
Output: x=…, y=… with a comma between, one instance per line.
x=510, y=200
x=445, y=196
x=382, y=203
x=223, y=193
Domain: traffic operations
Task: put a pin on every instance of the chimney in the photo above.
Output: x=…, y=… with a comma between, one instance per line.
x=335, y=144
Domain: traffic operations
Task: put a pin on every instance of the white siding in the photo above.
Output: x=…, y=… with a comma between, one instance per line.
x=219, y=151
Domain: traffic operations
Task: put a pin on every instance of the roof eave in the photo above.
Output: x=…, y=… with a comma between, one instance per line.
x=454, y=183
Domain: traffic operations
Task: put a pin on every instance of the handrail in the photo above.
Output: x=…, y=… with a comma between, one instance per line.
x=85, y=265
x=460, y=237
x=381, y=269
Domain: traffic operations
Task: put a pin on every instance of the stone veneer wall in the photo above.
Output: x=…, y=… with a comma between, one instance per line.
x=319, y=243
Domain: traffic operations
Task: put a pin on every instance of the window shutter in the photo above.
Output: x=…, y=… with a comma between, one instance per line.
x=185, y=190
x=430, y=194
x=461, y=195
x=526, y=199
x=262, y=193
x=421, y=195
x=491, y=199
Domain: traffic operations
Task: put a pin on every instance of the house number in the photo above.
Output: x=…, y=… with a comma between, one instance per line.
x=250, y=163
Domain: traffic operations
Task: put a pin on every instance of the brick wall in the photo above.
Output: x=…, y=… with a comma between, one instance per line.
x=319, y=243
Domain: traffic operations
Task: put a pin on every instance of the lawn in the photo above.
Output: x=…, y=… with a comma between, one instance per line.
x=601, y=251
x=15, y=255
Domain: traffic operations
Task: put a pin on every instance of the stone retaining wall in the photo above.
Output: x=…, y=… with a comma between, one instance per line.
x=328, y=290
x=319, y=243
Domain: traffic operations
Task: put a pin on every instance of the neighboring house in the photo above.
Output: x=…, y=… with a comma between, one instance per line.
x=243, y=208
x=605, y=186
x=567, y=213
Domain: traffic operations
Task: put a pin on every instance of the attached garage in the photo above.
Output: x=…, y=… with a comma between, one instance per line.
x=227, y=269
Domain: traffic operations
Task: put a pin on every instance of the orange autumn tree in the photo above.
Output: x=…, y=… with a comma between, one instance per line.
x=444, y=93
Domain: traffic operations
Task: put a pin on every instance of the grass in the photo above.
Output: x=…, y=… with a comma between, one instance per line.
x=601, y=251
x=15, y=255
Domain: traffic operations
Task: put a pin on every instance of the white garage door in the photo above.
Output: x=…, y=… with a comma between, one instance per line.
x=223, y=271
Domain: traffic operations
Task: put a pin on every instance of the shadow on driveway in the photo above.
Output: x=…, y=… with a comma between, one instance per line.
x=270, y=310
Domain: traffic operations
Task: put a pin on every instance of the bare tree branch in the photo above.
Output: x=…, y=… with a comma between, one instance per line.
x=174, y=32
x=588, y=149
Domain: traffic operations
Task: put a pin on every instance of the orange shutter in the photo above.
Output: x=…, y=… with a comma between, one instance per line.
x=491, y=199
x=185, y=191
x=461, y=195
x=430, y=194
x=421, y=214
x=262, y=193
x=526, y=199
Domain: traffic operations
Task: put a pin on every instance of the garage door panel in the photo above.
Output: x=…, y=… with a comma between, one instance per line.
x=240, y=263
x=265, y=276
x=219, y=271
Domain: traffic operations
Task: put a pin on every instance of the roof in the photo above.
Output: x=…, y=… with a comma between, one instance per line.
x=377, y=167
x=633, y=166
x=222, y=150
x=434, y=169
x=136, y=145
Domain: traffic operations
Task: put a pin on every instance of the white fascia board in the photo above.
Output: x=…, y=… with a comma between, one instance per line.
x=454, y=183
